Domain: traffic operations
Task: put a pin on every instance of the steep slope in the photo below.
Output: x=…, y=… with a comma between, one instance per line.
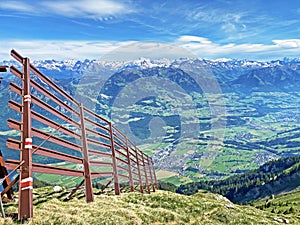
x=160, y=207
x=272, y=178
x=286, y=203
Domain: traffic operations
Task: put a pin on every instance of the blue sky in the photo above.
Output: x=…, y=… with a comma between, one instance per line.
x=211, y=29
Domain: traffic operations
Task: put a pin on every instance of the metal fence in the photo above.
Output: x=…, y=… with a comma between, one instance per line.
x=54, y=125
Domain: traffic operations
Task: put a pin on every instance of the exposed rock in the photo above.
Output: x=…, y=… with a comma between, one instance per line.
x=222, y=198
x=281, y=220
x=57, y=188
x=229, y=206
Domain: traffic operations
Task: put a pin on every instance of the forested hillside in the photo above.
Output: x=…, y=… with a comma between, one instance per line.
x=271, y=178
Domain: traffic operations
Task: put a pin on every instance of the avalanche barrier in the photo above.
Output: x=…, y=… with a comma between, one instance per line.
x=74, y=134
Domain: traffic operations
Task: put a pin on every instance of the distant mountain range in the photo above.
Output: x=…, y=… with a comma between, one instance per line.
x=234, y=68
x=262, y=101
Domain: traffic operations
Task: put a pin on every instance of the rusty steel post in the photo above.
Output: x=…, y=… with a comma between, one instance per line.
x=154, y=175
x=25, y=187
x=150, y=171
x=129, y=167
x=139, y=170
x=114, y=160
x=145, y=171
x=89, y=195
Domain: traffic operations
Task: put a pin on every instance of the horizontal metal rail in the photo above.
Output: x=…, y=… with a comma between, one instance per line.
x=54, y=98
x=16, y=145
x=98, y=153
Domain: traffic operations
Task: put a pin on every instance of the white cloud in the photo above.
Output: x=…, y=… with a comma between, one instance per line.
x=16, y=6
x=105, y=50
x=39, y=49
x=197, y=39
x=289, y=43
x=184, y=46
x=206, y=49
x=74, y=9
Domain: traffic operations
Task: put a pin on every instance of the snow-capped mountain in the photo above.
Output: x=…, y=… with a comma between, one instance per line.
x=234, y=68
x=228, y=72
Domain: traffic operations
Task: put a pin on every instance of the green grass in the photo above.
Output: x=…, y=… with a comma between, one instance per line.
x=284, y=204
x=160, y=207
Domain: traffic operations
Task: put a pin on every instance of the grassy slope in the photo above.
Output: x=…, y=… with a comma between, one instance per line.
x=160, y=207
x=287, y=203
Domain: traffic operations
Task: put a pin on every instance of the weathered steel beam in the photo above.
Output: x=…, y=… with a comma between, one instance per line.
x=16, y=145
x=15, y=71
x=3, y=69
x=42, y=168
x=96, y=124
x=139, y=171
x=100, y=163
x=52, y=138
x=16, y=55
x=74, y=191
x=123, y=168
x=86, y=164
x=114, y=161
x=15, y=88
x=123, y=176
x=53, y=98
x=54, y=111
x=52, y=84
x=96, y=115
x=43, y=135
x=97, y=143
x=35, y=100
x=121, y=160
x=45, y=120
x=98, y=153
x=98, y=134
x=129, y=167
x=47, y=80
x=146, y=175
x=26, y=187
x=121, y=153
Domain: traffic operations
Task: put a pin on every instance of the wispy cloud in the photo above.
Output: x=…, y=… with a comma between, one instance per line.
x=94, y=9
x=87, y=8
x=225, y=19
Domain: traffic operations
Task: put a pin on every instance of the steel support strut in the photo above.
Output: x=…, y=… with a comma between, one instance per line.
x=129, y=167
x=145, y=172
x=139, y=170
x=154, y=175
x=87, y=172
x=150, y=172
x=25, y=187
x=114, y=160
